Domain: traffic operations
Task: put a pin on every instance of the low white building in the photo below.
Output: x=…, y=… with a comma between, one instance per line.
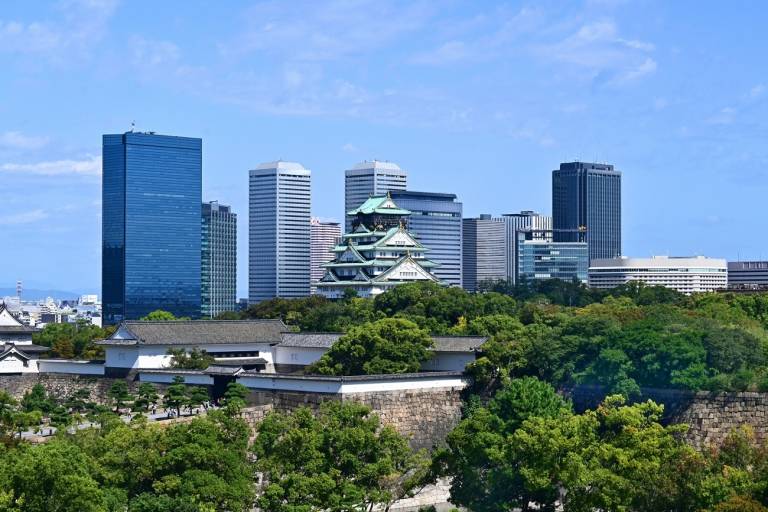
x=17, y=352
x=684, y=274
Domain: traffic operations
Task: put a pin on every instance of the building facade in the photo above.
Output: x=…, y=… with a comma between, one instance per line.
x=279, y=231
x=324, y=236
x=435, y=221
x=587, y=197
x=484, y=251
x=151, y=197
x=366, y=179
x=378, y=254
x=684, y=274
x=218, y=281
x=522, y=221
x=540, y=258
x=748, y=274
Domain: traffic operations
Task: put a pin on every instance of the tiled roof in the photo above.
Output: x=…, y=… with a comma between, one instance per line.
x=458, y=343
x=310, y=339
x=7, y=329
x=203, y=332
x=31, y=348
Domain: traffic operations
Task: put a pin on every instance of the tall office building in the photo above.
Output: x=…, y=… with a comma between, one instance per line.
x=218, y=280
x=279, y=231
x=368, y=179
x=587, y=197
x=435, y=221
x=682, y=273
x=323, y=238
x=540, y=227
x=151, y=197
x=539, y=258
x=484, y=251
x=748, y=274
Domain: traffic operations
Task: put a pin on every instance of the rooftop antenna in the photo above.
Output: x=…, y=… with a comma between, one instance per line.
x=133, y=125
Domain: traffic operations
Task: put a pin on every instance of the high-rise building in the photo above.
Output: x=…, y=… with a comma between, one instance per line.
x=484, y=251
x=324, y=236
x=435, y=221
x=219, y=260
x=587, y=197
x=748, y=274
x=539, y=258
x=367, y=179
x=685, y=274
x=151, y=197
x=377, y=254
x=539, y=225
x=279, y=231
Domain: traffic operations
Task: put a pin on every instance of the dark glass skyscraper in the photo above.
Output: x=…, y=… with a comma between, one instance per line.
x=151, y=201
x=587, y=197
x=219, y=260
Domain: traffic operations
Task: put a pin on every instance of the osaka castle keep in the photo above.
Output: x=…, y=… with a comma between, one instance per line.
x=379, y=253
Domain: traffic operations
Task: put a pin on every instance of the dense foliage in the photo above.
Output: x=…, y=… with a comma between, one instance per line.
x=391, y=345
x=565, y=333
x=73, y=340
x=527, y=450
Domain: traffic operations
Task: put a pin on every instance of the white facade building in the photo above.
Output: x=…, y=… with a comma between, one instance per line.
x=279, y=231
x=323, y=238
x=367, y=179
x=684, y=274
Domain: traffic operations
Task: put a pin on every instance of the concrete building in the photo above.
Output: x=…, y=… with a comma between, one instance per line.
x=541, y=226
x=378, y=254
x=366, y=179
x=484, y=251
x=218, y=280
x=151, y=197
x=323, y=238
x=587, y=197
x=748, y=274
x=538, y=257
x=435, y=221
x=279, y=231
x=684, y=274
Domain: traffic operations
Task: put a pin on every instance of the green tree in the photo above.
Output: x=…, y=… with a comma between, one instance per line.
x=392, y=345
x=195, y=359
x=176, y=395
x=146, y=396
x=235, y=397
x=340, y=460
x=119, y=393
x=160, y=315
x=196, y=395
x=36, y=399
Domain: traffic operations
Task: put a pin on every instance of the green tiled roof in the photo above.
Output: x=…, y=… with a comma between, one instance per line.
x=379, y=204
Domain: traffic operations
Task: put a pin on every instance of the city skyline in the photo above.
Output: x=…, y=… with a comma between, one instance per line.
x=682, y=117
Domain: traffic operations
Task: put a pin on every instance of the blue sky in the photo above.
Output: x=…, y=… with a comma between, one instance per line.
x=482, y=99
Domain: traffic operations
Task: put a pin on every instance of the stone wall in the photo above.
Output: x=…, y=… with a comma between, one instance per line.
x=424, y=416
x=710, y=416
x=64, y=385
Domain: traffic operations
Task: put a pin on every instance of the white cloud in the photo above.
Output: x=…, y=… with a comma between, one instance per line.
x=350, y=148
x=90, y=166
x=23, y=217
x=757, y=91
x=448, y=53
x=17, y=140
x=647, y=67
x=726, y=116
x=153, y=53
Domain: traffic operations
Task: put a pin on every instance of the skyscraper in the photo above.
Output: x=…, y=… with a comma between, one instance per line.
x=538, y=257
x=484, y=251
x=279, y=231
x=323, y=238
x=219, y=260
x=435, y=221
x=587, y=197
x=151, y=197
x=368, y=179
x=541, y=226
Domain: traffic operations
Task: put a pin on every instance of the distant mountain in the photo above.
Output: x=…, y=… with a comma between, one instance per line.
x=39, y=294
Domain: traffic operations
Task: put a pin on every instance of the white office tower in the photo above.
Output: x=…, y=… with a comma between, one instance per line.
x=324, y=236
x=368, y=179
x=279, y=231
x=529, y=221
x=684, y=274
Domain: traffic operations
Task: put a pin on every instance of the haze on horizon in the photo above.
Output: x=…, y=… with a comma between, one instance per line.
x=482, y=99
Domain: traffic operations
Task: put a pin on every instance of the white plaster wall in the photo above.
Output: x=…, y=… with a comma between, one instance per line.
x=67, y=366
x=117, y=356
x=13, y=364
x=316, y=386
x=167, y=378
x=448, y=361
x=369, y=386
x=298, y=355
